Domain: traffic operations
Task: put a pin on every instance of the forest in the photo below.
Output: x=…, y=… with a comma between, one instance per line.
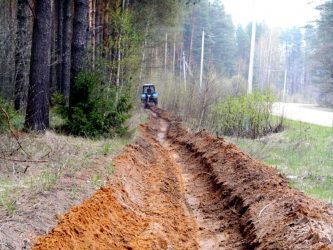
x=88, y=162
x=87, y=59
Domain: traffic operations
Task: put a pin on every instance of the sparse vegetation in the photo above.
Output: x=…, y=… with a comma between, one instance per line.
x=7, y=201
x=97, y=181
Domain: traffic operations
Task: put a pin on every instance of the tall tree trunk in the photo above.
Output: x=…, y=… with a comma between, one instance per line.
x=66, y=49
x=191, y=41
x=55, y=49
x=93, y=31
x=21, y=46
x=79, y=40
x=59, y=44
x=37, y=116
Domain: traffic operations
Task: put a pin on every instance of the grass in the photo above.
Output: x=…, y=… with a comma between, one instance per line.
x=66, y=156
x=7, y=201
x=303, y=152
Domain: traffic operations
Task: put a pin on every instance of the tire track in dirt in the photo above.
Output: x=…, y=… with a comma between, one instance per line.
x=177, y=190
x=217, y=227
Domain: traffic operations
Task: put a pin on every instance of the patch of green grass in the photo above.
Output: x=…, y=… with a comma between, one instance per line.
x=48, y=180
x=114, y=146
x=97, y=181
x=7, y=201
x=56, y=121
x=45, y=181
x=75, y=191
x=110, y=170
x=302, y=151
x=106, y=148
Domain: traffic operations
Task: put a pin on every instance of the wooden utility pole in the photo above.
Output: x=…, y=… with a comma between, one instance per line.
x=202, y=57
x=253, y=44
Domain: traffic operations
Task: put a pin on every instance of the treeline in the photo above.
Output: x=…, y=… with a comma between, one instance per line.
x=88, y=58
x=320, y=65
x=84, y=56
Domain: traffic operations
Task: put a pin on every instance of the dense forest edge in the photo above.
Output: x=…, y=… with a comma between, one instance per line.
x=88, y=59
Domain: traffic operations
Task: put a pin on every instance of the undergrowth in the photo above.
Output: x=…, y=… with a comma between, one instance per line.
x=95, y=108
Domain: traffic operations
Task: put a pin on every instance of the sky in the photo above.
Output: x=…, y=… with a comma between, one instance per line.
x=275, y=13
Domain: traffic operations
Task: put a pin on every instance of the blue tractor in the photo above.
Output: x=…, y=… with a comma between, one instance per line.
x=149, y=95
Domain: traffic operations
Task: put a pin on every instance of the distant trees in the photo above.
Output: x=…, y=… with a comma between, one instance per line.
x=292, y=40
x=220, y=39
x=322, y=73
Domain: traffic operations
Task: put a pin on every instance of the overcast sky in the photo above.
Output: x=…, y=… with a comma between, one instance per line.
x=276, y=13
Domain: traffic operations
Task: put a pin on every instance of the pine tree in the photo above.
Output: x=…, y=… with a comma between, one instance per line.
x=37, y=114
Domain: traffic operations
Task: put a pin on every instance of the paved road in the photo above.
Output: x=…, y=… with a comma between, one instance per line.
x=304, y=112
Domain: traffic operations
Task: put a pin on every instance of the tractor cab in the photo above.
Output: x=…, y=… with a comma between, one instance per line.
x=149, y=95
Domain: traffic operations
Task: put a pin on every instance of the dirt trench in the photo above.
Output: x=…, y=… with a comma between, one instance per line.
x=177, y=190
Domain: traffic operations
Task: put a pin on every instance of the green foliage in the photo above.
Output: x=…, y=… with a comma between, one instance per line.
x=95, y=108
x=245, y=115
x=16, y=120
x=48, y=180
x=97, y=181
x=110, y=170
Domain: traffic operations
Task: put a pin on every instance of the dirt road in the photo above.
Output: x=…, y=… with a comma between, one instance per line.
x=177, y=190
x=304, y=112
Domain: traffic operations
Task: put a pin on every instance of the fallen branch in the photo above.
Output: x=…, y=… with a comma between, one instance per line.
x=18, y=160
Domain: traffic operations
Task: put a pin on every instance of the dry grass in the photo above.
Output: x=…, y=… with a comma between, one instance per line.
x=56, y=172
x=51, y=156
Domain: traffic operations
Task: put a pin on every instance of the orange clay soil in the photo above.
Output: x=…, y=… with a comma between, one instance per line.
x=177, y=190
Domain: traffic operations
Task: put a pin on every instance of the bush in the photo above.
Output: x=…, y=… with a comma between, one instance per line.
x=95, y=108
x=244, y=116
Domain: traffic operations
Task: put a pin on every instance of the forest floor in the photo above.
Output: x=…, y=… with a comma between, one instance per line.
x=175, y=190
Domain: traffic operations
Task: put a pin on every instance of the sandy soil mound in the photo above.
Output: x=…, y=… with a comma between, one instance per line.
x=177, y=190
x=271, y=214
x=142, y=208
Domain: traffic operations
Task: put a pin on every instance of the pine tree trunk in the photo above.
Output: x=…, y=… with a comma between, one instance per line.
x=21, y=46
x=54, y=58
x=59, y=44
x=191, y=42
x=79, y=40
x=37, y=115
x=66, y=49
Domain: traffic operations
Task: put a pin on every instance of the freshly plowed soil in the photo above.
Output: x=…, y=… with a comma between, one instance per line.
x=177, y=190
